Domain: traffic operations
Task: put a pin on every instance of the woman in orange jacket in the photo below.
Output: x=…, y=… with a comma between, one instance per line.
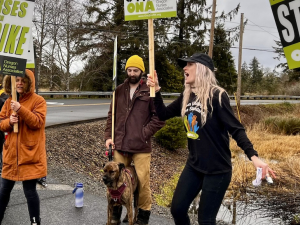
x=24, y=153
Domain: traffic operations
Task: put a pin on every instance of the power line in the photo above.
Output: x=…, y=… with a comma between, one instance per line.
x=263, y=29
x=251, y=30
x=251, y=25
x=256, y=49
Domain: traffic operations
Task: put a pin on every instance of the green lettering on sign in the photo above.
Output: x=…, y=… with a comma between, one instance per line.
x=7, y=9
x=10, y=44
x=22, y=11
x=22, y=40
x=14, y=8
x=130, y=8
x=1, y=4
x=139, y=7
x=149, y=6
x=3, y=36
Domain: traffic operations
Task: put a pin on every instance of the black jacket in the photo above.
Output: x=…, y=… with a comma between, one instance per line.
x=209, y=151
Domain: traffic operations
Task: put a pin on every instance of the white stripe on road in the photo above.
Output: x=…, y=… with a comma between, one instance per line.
x=50, y=187
x=54, y=103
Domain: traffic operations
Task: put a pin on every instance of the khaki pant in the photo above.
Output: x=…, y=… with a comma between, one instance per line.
x=142, y=167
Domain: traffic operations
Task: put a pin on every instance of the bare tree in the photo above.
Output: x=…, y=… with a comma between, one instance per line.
x=67, y=39
x=41, y=31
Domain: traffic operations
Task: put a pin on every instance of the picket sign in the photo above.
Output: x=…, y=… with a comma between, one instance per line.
x=15, y=31
x=287, y=18
x=150, y=9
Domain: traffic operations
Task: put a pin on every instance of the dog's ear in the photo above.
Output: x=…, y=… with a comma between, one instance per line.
x=121, y=166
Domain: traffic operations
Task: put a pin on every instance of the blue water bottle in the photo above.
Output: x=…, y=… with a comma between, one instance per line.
x=78, y=190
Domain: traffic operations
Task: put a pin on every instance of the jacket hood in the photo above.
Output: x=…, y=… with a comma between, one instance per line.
x=31, y=84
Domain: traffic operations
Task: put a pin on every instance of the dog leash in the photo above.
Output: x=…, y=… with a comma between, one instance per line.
x=109, y=153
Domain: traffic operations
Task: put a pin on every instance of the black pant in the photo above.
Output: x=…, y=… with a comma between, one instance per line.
x=33, y=201
x=2, y=139
x=190, y=183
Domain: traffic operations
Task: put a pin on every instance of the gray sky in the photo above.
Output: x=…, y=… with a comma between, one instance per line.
x=260, y=31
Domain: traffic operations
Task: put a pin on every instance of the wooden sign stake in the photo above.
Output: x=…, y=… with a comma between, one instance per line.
x=151, y=54
x=14, y=97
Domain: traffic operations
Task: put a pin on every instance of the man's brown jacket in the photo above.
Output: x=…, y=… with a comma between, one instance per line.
x=135, y=120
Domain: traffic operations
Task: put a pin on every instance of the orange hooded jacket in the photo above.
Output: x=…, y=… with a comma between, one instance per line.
x=24, y=153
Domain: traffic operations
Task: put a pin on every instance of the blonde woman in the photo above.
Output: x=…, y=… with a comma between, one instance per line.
x=208, y=118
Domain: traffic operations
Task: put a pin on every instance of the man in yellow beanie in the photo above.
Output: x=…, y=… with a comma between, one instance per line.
x=135, y=123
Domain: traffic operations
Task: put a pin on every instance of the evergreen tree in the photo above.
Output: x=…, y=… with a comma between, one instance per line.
x=106, y=20
x=223, y=60
x=246, y=79
x=256, y=74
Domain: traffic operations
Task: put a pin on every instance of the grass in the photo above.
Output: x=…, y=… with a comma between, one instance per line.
x=287, y=125
x=167, y=191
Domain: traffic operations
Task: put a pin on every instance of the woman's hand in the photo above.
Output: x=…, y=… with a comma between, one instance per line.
x=153, y=82
x=109, y=142
x=266, y=170
x=13, y=119
x=14, y=105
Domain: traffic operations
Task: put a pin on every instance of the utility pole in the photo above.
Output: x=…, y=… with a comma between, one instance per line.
x=240, y=62
x=211, y=43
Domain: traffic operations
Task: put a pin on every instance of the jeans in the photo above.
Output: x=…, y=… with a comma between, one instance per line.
x=33, y=201
x=190, y=183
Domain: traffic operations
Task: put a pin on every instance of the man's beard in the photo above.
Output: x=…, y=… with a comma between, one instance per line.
x=134, y=79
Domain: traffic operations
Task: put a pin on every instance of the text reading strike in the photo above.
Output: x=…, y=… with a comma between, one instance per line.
x=9, y=42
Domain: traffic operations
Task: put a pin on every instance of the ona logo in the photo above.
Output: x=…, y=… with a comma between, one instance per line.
x=131, y=0
x=140, y=7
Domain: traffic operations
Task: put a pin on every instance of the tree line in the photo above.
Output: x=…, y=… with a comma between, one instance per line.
x=74, y=43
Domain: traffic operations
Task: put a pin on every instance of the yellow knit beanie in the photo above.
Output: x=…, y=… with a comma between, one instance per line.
x=135, y=61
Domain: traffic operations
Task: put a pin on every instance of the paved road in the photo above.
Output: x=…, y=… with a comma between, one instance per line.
x=57, y=207
x=71, y=110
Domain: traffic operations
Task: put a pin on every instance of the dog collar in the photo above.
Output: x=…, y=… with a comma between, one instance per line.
x=116, y=194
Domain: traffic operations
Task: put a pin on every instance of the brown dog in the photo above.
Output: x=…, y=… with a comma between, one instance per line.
x=121, y=186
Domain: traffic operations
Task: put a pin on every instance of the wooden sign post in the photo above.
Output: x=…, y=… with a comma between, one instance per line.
x=140, y=10
x=151, y=54
x=14, y=97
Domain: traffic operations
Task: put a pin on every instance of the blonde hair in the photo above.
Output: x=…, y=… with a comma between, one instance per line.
x=204, y=88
